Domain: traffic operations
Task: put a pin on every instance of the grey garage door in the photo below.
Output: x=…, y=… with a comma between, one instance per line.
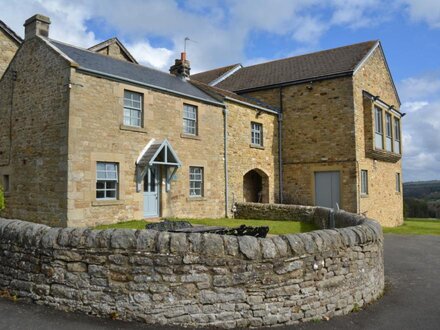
x=327, y=189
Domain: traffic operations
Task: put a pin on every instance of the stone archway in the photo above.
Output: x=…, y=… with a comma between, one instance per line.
x=256, y=187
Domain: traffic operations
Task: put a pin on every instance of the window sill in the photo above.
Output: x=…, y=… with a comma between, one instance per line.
x=256, y=146
x=123, y=127
x=7, y=193
x=398, y=193
x=383, y=155
x=364, y=196
x=189, y=136
x=196, y=199
x=107, y=202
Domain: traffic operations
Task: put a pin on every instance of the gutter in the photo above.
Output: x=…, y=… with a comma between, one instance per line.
x=251, y=105
x=225, y=144
x=296, y=82
x=280, y=149
x=117, y=78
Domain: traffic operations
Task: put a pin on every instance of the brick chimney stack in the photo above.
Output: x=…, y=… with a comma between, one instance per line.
x=37, y=25
x=181, y=67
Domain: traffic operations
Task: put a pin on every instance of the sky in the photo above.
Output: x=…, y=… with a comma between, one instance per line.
x=254, y=31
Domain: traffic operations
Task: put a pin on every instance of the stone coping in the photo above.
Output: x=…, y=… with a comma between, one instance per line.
x=360, y=231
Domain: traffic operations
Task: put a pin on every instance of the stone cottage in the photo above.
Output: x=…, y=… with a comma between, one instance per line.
x=89, y=136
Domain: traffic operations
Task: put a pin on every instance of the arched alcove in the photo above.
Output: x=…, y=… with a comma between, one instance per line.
x=256, y=187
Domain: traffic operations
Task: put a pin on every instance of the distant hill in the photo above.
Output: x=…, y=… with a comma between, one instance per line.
x=422, y=199
x=426, y=190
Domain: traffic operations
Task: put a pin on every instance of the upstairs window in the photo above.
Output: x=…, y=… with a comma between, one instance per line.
x=196, y=181
x=364, y=182
x=389, y=132
x=132, y=109
x=397, y=135
x=189, y=119
x=106, y=180
x=378, y=127
x=256, y=134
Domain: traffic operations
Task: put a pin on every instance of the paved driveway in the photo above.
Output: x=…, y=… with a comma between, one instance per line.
x=412, y=300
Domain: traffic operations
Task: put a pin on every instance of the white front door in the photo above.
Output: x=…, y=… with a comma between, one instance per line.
x=151, y=193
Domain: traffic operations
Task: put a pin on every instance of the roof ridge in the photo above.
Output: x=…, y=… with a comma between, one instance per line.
x=108, y=57
x=109, y=41
x=219, y=68
x=312, y=53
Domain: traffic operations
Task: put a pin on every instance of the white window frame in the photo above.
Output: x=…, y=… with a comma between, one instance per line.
x=364, y=182
x=398, y=183
x=388, y=132
x=397, y=144
x=133, y=110
x=256, y=134
x=107, y=180
x=196, y=181
x=190, y=116
x=378, y=128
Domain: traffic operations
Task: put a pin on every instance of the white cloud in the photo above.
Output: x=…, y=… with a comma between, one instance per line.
x=424, y=10
x=410, y=107
x=416, y=88
x=421, y=141
x=150, y=56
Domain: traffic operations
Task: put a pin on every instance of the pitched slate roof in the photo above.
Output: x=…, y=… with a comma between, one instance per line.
x=112, y=68
x=14, y=36
x=116, y=41
x=211, y=75
x=327, y=63
x=221, y=94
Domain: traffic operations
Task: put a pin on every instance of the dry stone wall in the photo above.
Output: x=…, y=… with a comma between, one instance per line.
x=194, y=279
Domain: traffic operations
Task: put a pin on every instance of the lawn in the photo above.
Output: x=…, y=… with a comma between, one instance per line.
x=275, y=227
x=415, y=226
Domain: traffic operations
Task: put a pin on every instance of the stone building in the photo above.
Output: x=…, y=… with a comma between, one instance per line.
x=88, y=136
x=341, y=126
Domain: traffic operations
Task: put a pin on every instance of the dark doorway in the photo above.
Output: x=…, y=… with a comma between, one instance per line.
x=255, y=187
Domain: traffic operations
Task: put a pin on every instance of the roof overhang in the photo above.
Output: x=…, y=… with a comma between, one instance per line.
x=158, y=153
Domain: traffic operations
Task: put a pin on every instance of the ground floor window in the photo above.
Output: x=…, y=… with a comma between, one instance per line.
x=106, y=180
x=196, y=181
x=6, y=185
x=364, y=182
x=398, y=182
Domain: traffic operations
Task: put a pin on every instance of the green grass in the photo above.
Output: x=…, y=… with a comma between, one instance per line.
x=415, y=226
x=275, y=227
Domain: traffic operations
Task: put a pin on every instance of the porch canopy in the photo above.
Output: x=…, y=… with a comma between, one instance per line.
x=157, y=153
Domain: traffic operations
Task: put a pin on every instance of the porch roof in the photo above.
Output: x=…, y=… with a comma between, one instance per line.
x=158, y=153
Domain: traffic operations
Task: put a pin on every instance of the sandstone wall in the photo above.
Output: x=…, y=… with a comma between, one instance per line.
x=33, y=134
x=96, y=134
x=8, y=48
x=383, y=202
x=243, y=157
x=318, y=135
x=194, y=279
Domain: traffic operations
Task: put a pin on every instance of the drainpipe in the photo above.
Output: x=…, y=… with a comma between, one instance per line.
x=225, y=143
x=280, y=153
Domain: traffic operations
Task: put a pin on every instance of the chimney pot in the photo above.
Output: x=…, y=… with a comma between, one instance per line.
x=37, y=25
x=181, y=67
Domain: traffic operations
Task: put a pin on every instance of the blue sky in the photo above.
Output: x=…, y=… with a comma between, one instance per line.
x=254, y=31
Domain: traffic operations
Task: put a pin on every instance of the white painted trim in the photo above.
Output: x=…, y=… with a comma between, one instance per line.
x=361, y=63
x=366, y=57
x=145, y=150
x=225, y=75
